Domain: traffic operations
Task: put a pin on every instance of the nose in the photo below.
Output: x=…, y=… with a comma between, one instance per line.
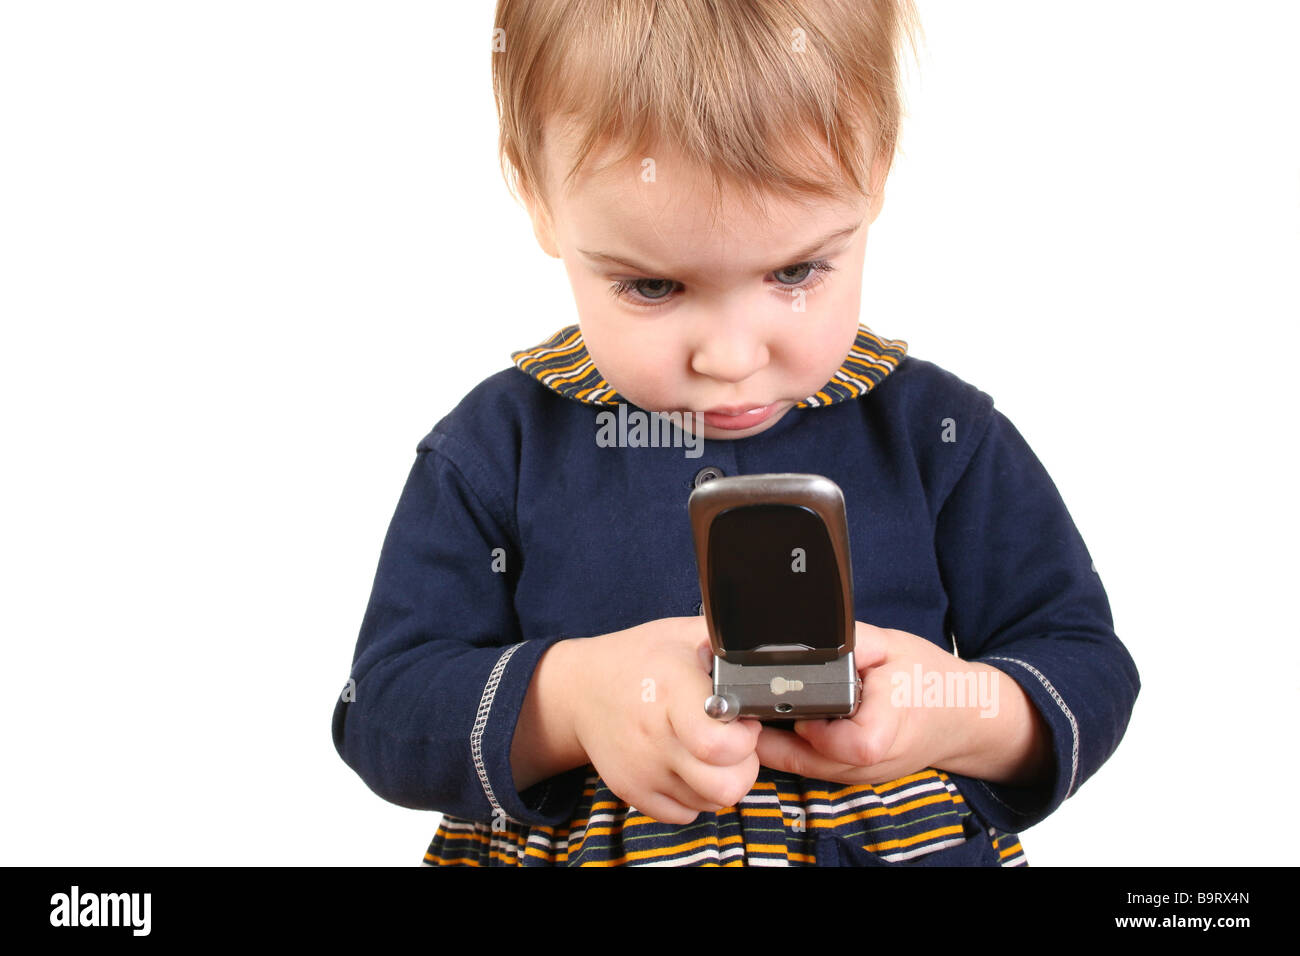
x=729, y=351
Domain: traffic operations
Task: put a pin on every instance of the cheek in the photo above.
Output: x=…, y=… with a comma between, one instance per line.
x=634, y=357
x=821, y=348
x=646, y=379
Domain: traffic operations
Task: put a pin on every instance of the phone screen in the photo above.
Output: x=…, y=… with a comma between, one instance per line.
x=773, y=579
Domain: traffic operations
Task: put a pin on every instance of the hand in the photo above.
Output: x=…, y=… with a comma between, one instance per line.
x=883, y=740
x=639, y=715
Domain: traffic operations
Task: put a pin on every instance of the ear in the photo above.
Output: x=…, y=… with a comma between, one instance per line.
x=543, y=227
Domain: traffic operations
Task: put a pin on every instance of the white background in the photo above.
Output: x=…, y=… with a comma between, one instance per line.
x=250, y=252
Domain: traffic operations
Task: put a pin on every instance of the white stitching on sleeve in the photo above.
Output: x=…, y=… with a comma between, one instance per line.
x=1074, y=726
x=480, y=722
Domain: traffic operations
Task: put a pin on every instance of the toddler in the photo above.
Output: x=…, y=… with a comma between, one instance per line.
x=533, y=662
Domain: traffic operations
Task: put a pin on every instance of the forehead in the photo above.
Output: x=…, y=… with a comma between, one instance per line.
x=661, y=210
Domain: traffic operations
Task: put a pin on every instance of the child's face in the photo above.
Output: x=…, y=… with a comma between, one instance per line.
x=710, y=317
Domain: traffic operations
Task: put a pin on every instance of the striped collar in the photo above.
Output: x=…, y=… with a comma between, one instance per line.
x=562, y=364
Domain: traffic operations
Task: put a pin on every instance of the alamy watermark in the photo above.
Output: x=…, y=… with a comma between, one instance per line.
x=102, y=909
x=921, y=688
x=640, y=429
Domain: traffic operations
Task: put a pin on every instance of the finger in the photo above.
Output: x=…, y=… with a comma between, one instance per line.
x=844, y=741
x=664, y=782
x=719, y=786
x=676, y=788
x=870, y=645
x=788, y=752
x=712, y=741
x=705, y=654
x=666, y=809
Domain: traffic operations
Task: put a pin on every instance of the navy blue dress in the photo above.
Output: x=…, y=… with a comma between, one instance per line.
x=517, y=529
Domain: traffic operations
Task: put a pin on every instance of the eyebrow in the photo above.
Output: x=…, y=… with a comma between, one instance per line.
x=795, y=257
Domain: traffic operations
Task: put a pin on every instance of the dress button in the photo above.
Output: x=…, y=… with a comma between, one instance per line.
x=707, y=473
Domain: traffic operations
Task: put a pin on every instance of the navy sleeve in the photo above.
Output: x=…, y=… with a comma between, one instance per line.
x=1024, y=598
x=440, y=670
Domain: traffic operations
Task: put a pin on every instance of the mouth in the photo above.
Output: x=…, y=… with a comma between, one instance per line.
x=736, y=417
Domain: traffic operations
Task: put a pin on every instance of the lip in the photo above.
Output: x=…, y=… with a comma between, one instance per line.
x=737, y=417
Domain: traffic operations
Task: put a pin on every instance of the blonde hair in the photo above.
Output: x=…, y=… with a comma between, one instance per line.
x=742, y=88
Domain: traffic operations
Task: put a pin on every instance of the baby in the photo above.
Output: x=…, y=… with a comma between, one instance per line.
x=533, y=662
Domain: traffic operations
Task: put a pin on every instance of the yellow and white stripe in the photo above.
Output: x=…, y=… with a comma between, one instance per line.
x=776, y=824
x=562, y=364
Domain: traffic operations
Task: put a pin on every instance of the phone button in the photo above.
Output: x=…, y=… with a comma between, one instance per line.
x=707, y=473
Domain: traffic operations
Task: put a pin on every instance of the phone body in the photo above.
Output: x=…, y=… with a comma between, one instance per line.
x=776, y=581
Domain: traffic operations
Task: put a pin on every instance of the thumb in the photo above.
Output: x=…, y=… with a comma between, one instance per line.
x=870, y=645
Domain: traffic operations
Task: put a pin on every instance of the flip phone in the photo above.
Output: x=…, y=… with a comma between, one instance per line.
x=777, y=586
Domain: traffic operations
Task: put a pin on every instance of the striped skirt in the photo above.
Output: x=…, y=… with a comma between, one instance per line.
x=784, y=820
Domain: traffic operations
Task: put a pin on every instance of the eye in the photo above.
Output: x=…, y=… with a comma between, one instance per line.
x=653, y=293
x=800, y=271
x=648, y=288
x=806, y=277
